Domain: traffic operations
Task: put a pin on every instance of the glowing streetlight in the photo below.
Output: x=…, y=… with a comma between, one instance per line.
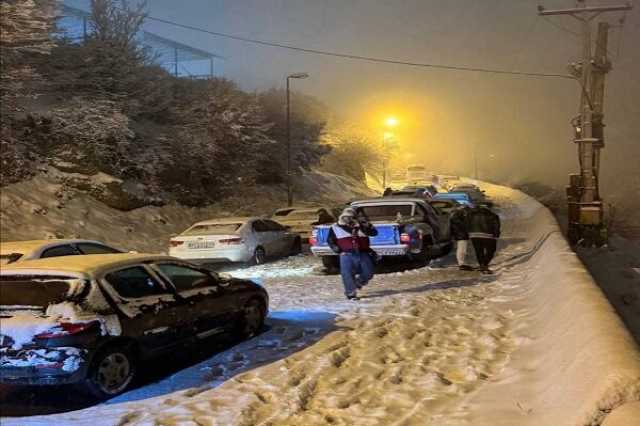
x=391, y=122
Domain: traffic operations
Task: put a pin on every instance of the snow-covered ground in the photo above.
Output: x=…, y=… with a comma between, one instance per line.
x=432, y=345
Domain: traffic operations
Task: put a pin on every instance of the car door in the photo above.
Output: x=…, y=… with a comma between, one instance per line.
x=204, y=302
x=264, y=237
x=282, y=239
x=149, y=308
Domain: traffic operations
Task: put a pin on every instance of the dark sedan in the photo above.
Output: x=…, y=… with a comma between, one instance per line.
x=95, y=318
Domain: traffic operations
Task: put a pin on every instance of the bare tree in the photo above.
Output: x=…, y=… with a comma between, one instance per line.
x=117, y=23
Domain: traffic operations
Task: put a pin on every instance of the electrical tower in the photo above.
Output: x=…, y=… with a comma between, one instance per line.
x=586, y=212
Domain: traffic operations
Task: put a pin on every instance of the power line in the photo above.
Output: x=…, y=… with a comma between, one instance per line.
x=359, y=57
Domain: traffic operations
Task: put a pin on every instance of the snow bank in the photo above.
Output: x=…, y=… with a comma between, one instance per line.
x=577, y=361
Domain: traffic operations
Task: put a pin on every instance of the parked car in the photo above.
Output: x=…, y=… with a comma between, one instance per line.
x=407, y=227
x=302, y=219
x=251, y=240
x=459, y=197
x=14, y=251
x=94, y=319
x=475, y=193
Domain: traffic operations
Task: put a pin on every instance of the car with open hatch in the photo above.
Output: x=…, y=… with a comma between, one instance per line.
x=302, y=219
x=94, y=319
x=14, y=251
x=407, y=228
x=251, y=240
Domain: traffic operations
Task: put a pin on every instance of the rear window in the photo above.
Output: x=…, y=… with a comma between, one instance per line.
x=387, y=211
x=91, y=248
x=213, y=229
x=134, y=283
x=35, y=290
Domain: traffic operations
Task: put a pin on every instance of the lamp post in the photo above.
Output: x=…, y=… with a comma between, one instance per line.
x=298, y=75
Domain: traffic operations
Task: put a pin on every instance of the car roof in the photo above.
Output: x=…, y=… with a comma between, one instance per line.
x=80, y=265
x=390, y=200
x=28, y=246
x=453, y=194
x=225, y=221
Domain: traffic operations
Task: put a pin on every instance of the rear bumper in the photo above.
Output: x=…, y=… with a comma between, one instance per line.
x=391, y=250
x=213, y=256
x=29, y=369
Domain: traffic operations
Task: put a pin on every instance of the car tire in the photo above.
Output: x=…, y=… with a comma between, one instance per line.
x=331, y=264
x=111, y=372
x=252, y=319
x=259, y=256
x=296, y=248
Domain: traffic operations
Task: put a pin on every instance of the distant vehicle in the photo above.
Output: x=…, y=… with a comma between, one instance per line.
x=407, y=227
x=302, y=219
x=95, y=319
x=430, y=189
x=14, y=251
x=249, y=240
x=475, y=193
x=459, y=197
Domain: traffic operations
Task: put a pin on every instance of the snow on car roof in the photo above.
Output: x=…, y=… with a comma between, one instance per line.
x=23, y=247
x=85, y=265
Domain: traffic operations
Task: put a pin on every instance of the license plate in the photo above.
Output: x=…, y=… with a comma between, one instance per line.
x=201, y=244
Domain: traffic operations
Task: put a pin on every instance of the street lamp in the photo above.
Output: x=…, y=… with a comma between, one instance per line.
x=390, y=122
x=298, y=75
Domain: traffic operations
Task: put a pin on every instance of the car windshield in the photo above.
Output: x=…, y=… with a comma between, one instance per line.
x=40, y=291
x=386, y=212
x=213, y=229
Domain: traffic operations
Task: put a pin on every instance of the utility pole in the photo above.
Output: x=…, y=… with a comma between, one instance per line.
x=586, y=212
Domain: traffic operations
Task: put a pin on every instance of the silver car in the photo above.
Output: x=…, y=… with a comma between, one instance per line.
x=247, y=240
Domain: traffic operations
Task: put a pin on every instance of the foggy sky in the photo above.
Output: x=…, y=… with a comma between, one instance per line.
x=519, y=125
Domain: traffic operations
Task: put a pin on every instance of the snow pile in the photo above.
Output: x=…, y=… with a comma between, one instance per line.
x=21, y=328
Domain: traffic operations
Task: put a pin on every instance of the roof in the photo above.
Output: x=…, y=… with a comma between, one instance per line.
x=85, y=264
x=225, y=221
x=390, y=200
x=23, y=247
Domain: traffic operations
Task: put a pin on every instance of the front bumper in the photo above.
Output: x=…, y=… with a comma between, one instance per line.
x=52, y=366
x=392, y=250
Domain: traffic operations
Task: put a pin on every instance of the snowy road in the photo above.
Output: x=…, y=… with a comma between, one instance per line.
x=409, y=352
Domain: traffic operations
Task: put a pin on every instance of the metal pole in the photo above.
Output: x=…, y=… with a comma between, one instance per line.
x=175, y=56
x=384, y=163
x=289, y=191
x=212, y=70
x=475, y=159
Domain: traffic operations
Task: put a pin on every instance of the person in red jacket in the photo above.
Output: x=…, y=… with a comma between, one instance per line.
x=349, y=238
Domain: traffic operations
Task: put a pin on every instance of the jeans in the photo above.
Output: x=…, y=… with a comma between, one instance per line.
x=355, y=269
x=461, y=251
x=485, y=249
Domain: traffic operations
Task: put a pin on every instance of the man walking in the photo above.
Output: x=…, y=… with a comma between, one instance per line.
x=460, y=233
x=349, y=238
x=484, y=230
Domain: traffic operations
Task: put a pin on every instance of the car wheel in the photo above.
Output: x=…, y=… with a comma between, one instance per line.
x=252, y=319
x=296, y=248
x=259, y=256
x=112, y=371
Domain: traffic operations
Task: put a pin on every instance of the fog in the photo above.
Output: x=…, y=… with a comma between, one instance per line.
x=518, y=125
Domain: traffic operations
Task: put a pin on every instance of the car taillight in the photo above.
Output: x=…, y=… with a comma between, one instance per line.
x=175, y=243
x=66, y=329
x=405, y=238
x=313, y=239
x=230, y=241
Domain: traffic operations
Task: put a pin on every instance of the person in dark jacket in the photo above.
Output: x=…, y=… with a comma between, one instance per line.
x=484, y=230
x=459, y=232
x=349, y=238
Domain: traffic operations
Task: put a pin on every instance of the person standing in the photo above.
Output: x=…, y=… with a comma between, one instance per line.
x=349, y=238
x=460, y=234
x=484, y=230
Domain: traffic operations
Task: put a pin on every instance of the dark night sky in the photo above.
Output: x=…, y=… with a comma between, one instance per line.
x=522, y=122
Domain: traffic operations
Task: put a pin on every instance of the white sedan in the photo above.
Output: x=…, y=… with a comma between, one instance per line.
x=247, y=240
